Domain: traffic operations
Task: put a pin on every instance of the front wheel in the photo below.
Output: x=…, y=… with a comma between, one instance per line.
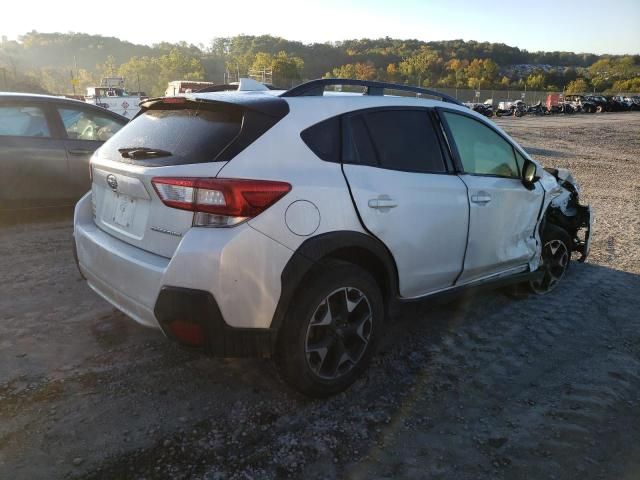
x=331, y=331
x=555, y=258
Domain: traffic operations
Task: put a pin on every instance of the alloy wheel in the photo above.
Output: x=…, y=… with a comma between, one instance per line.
x=338, y=333
x=555, y=260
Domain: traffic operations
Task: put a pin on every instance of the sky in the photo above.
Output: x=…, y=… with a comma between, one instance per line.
x=611, y=26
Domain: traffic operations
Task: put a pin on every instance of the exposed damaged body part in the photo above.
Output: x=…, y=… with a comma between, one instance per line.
x=566, y=211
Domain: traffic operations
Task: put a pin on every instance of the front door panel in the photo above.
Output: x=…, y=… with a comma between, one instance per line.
x=503, y=216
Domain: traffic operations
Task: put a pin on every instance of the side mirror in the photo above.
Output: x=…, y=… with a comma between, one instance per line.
x=529, y=177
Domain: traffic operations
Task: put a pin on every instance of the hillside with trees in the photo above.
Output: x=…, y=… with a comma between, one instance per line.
x=62, y=62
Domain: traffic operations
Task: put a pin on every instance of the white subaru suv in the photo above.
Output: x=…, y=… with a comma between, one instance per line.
x=285, y=224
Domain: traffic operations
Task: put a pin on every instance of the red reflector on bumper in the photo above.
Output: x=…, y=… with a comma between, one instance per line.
x=188, y=333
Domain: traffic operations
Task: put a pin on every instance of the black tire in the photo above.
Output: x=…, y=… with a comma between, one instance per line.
x=599, y=109
x=308, y=348
x=556, y=256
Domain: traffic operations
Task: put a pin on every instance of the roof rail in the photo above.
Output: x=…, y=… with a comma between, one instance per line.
x=316, y=88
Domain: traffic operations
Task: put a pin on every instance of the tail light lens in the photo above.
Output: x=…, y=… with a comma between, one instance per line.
x=219, y=202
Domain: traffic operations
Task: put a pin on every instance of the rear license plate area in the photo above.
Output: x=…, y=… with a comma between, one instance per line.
x=124, y=210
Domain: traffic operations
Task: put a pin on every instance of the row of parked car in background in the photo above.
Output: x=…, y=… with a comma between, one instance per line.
x=46, y=141
x=557, y=103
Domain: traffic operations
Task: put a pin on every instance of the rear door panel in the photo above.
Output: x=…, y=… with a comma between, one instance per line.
x=85, y=130
x=426, y=232
x=395, y=168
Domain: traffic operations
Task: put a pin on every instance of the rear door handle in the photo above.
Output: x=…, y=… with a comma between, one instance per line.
x=382, y=203
x=481, y=198
x=79, y=151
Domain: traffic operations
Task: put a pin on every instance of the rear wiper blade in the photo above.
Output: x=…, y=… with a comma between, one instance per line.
x=142, y=152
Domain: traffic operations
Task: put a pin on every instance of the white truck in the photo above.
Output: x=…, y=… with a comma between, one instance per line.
x=111, y=95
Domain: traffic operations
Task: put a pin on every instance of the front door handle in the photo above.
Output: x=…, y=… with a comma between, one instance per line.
x=382, y=203
x=80, y=151
x=481, y=197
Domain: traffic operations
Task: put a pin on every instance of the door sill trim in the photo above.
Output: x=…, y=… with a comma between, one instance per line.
x=508, y=277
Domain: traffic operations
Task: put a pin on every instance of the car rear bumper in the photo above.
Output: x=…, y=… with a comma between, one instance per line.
x=125, y=276
x=238, y=268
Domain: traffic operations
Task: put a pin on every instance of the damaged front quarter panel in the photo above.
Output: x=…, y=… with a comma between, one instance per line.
x=566, y=211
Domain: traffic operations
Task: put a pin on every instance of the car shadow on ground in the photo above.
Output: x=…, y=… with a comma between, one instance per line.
x=162, y=410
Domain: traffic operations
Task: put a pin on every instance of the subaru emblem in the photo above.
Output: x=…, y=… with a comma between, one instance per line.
x=112, y=182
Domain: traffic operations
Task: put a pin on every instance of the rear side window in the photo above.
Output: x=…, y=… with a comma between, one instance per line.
x=190, y=135
x=324, y=139
x=395, y=139
x=21, y=121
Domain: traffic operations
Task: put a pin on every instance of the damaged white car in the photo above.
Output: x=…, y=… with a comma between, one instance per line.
x=287, y=223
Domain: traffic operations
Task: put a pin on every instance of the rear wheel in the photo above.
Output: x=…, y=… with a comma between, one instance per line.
x=555, y=258
x=331, y=331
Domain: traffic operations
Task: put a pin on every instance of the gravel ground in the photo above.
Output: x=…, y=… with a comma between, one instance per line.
x=484, y=387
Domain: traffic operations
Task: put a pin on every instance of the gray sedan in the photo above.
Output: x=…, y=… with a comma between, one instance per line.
x=45, y=146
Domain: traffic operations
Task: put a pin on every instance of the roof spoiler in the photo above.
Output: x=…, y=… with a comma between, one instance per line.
x=265, y=104
x=244, y=85
x=316, y=88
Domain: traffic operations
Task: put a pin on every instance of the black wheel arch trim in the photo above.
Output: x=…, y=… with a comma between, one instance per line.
x=333, y=245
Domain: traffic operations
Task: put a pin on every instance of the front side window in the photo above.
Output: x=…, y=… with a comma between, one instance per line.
x=395, y=139
x=482, y=151
x=81, y=124
x=22, y=121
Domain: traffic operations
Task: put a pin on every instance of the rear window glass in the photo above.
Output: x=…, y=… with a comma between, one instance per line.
x=192, y=136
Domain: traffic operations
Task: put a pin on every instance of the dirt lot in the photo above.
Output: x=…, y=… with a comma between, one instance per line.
x=481, y=388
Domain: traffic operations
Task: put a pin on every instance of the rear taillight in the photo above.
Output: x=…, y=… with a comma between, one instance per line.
x=219, y=202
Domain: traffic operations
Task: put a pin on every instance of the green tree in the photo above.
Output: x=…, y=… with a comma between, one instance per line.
x=143, y=73
x=424, y=67
x=359, y=71
x=632, y=85
x=286, y=68
x=579, y=85
x=535, y=81
x=393, y=74
x=177, y=65
x=481, y=73
x=457, y=68
x=108, y=68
